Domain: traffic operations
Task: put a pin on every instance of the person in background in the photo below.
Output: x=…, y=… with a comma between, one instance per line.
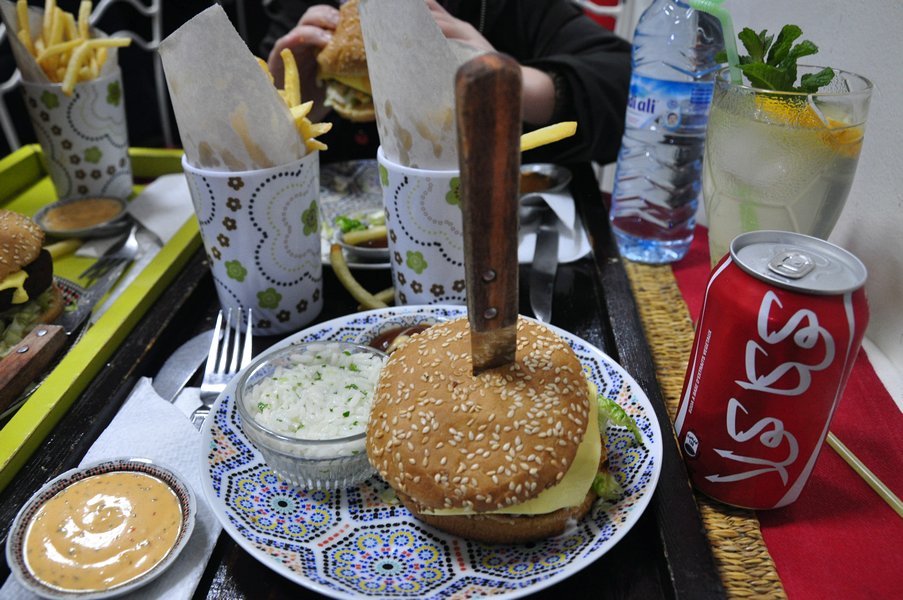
x=573, y=69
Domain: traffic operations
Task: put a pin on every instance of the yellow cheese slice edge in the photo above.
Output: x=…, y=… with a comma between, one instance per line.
x=362, y=84
x=16, y=280
x=570, y=491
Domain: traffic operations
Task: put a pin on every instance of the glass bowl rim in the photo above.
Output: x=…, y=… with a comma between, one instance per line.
x=281, y=437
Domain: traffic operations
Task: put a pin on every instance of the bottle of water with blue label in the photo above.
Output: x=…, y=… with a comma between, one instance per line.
x=658, y=178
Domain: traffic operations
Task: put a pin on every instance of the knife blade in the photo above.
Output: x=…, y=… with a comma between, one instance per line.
x=30, y=357
x=488, y=112
x=181, y=365
x=544, y=267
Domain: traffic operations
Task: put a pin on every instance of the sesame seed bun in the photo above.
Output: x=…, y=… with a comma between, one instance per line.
x=444, y=439
x=20, y=242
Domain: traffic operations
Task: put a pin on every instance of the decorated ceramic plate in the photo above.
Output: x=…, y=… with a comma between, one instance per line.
x=359, y=542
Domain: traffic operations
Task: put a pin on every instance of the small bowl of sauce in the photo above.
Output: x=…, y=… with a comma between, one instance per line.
x=102, y=530
x=390, y=333
x=83, y=217
x=537, y=178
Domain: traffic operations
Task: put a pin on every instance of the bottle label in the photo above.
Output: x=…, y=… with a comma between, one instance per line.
x=673, y=105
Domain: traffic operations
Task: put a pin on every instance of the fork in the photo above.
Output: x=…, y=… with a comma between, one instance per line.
x=221, y=368
x=124, y=250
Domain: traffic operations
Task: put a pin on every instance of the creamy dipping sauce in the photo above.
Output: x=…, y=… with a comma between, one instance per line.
x=103, y=531
x=82, y=214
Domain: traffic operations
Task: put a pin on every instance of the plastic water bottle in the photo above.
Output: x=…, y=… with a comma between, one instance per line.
x=658, y=177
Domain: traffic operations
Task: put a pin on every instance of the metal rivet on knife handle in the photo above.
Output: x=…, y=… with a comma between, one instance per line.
x=488, y=105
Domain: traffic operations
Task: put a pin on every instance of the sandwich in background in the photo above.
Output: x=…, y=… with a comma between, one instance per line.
x=28, y=294
x=342, y=68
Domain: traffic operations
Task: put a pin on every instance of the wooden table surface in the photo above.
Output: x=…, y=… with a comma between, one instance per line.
x=665, y=555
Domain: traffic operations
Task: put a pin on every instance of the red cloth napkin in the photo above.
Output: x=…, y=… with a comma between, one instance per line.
x=839, y=539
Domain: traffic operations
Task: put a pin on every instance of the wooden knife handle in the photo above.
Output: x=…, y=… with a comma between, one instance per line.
x=488, y=104
x=27, y=360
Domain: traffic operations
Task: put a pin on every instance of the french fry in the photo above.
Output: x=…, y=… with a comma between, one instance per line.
x=58, y=48
x=291, y=95
x=24, y=25
x=84, y=18
x=362, y=236
x=387, y=295
x=75, y=62
x=357, y=291
x=547, y=135
x=292, y=82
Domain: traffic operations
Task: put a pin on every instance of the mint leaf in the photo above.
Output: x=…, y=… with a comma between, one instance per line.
x=753, y=43
x=771, y=63
x=782, y=45
x=811, y=82
x=767, y=77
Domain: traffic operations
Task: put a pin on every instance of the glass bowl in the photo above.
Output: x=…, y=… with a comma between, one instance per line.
x=306, y=407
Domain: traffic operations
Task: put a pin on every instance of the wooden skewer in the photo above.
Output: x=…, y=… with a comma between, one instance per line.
x=870, y=478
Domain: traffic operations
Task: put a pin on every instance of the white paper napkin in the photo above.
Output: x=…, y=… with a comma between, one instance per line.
x=573, y=242
x=149, y=427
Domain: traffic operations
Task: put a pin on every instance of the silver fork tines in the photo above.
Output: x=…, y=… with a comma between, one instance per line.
x=124, y=250
x=229, y=353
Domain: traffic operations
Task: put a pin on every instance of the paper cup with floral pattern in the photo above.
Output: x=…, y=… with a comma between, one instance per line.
x=261, y=231
x=426, y=240
x=84, y=136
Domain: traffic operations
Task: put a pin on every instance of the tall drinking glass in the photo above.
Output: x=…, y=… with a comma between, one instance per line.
x=781, y=160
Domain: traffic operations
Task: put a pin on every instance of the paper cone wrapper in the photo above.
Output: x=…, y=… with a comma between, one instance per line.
x=230, y=117
x=412, y=72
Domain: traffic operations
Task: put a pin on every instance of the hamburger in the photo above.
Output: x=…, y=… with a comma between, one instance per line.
x=342, y=68
x=511, y=455
x=28, y=295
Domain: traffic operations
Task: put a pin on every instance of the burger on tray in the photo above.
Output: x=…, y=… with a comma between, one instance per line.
x=343, y=68
x=511, y=455
x=28, y=295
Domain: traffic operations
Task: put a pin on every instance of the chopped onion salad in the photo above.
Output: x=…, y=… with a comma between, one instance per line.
x=321, y=393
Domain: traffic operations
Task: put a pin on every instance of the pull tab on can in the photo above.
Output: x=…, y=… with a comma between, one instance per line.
x=792, y=264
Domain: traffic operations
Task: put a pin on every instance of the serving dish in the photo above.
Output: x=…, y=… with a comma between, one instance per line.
x=103, y=224
x=350, y=188
x=358, y=542
x=15, y=542
x=302, y=458
x=537, y=178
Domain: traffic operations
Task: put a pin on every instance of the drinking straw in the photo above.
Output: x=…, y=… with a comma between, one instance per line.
x=714, y=8
x=870, y=478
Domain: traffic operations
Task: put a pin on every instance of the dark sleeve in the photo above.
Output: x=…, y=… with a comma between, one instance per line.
x=592, y=62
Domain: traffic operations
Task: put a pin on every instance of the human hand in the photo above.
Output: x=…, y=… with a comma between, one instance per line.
x=456, y=29
x=309, y=36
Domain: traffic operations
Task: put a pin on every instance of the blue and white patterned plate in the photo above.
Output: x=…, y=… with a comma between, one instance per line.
x=358, y=542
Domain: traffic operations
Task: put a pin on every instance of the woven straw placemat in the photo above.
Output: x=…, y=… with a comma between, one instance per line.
x=745, y=565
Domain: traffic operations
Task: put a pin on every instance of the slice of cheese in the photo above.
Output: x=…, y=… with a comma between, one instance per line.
x=17, y=281
x=362, y=84
x=570, y=491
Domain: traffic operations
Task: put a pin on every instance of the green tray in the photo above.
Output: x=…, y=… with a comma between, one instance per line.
x=26, y=188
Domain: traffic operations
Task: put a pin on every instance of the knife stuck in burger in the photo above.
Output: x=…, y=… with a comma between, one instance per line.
x=342, y=68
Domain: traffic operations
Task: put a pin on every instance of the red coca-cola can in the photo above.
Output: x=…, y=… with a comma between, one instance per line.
x=782, y=321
